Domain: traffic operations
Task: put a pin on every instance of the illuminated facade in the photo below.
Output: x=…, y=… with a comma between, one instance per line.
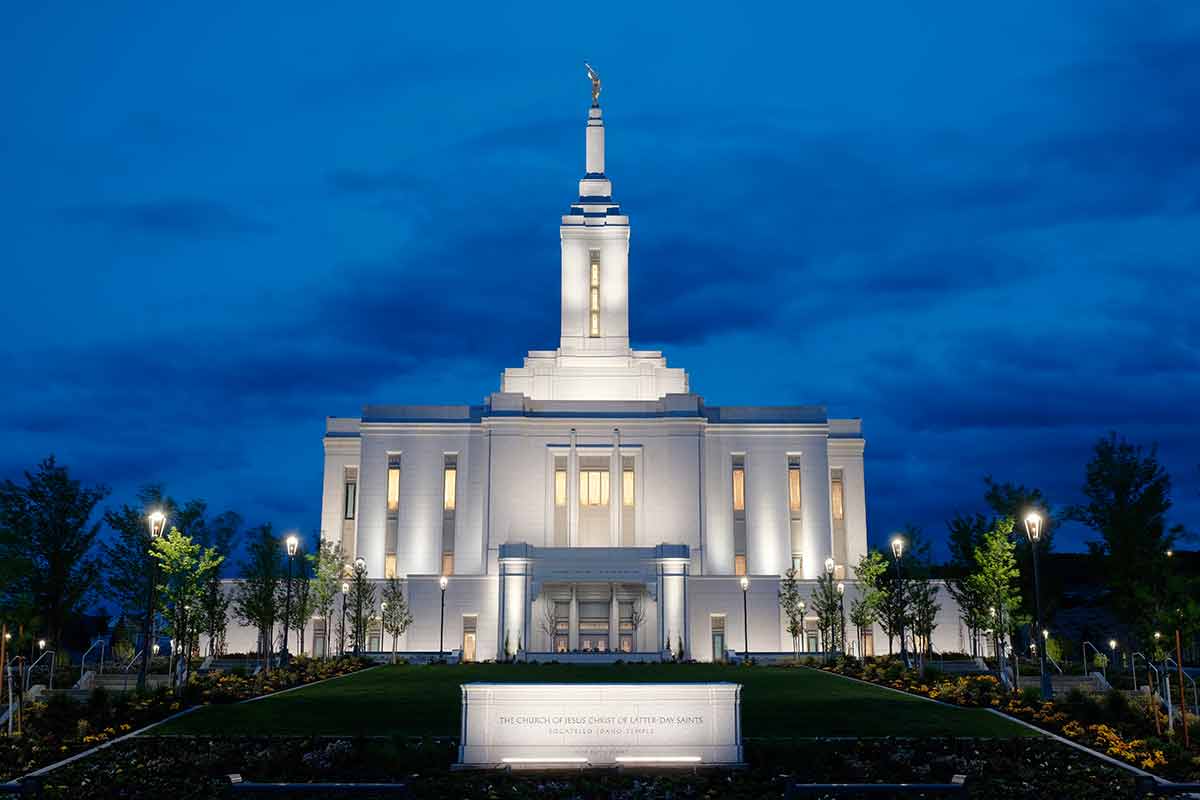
x=595, y=506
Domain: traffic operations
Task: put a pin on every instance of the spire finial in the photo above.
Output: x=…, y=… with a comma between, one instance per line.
x=595, y=78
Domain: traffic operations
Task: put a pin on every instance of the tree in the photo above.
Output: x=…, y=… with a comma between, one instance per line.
x=183, y=568
x=977, y=612
x=1128, y=496
x=995, y=583
x=303, y=602
x=46, y=538
x=792, y=605
x=328, y=566
x=1014, y=501
x=864, y=609
x=256, y=599
x=221, y=534
x=825, y=604
x=362, y=603
x=396, y=614
x=548, y=624
x=892, y=607
x=923, y=610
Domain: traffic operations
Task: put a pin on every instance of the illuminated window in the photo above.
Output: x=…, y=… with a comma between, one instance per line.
x=627, y=488
x=447, y=563
x=389, y=565
x=393, y=485
x=739, y=488
x=836, y=498
x=794, y=487
x=594, y=306
x=839, y=572
x=560, y=487
x=593, y=487
x=350, y=492
x=449, y=484
x=739, y=565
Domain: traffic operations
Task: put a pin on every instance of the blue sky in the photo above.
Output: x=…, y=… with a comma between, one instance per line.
x=976, y=228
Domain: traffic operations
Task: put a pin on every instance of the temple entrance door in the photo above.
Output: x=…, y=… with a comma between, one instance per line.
x=468, y=648
x=718, y=644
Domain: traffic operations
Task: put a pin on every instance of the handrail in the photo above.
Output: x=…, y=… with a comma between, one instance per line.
x=1083, y=653
x=136, y=656
x=1054, y=664
x=1195, y=695
x=83, y=659
x=29, y=670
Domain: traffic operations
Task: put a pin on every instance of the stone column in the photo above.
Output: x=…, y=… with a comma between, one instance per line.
x=615, y=486
x=573, y=622
x=614, y=620
x=674, y=604
x=514, y=609
x=573, y=493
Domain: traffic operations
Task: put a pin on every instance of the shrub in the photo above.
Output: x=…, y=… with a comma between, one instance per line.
x=1031, y=695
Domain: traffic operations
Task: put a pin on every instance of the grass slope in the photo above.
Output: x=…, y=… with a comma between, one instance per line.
x=425, y=700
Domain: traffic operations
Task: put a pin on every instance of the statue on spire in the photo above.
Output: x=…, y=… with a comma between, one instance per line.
x=595, y=78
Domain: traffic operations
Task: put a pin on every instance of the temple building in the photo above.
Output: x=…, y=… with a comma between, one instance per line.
x=594, y=506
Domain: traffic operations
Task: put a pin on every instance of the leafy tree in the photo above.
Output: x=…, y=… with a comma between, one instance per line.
x=825, y=604
x=362, y=604
x=996, y=581
x=255, y=601
x=923, y=610
x=396, y=614
x=221, y=534
x=793, y=608
x=864, y=609
x=1128, y=496
x=892, y=610
x=46, y=538
x=302, y=603
x=184, y=566
x=328, y=565
x=1014, y=501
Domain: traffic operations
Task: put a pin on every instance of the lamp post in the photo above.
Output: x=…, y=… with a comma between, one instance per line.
x=898, y=554
x=1033, y=530
x=360, y=574
x=841, y=590
x=803, y=631
x=342, y=630
x=442, y=582
x=157, y=522
x=293, y=543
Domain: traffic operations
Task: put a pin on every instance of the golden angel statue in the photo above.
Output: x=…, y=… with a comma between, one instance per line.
x=595, y=78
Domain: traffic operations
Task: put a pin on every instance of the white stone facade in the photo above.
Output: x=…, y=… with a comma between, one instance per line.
x=544, y=549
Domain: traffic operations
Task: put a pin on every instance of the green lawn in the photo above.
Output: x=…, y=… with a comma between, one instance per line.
x=412, y=700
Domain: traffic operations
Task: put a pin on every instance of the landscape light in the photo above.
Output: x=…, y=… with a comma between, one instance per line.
x=829, y=566
x=1033, y=526
x=293, y=543
x=745, y=582
x=443, y=581
x=841, y=587
x=897, y=546
x=158, y=521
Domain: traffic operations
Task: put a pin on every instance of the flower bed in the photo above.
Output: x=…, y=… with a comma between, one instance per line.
x=59, y=728
x=196, y=768
x=1117, y=726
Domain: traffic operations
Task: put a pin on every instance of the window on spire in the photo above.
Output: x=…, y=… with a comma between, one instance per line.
x=594, y=306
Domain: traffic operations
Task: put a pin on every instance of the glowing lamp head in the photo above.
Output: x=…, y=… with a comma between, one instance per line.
x=1112, y=644
x=745, y=582
x=156, y=649
x=360, y=564
x=293, y=543
x=1170, y=553
x=443, y=582
x=841, y=587
x=1045, y=633
x=158, y=521
x=383, y=606
x=1033, y=526
x=7, y=636
x=1157, y=636
x=829, y=566
x=345, y=587
x=803, y=606
x=898, y=547
x=41, y=644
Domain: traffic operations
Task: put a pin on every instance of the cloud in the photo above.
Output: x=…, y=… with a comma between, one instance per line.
x=178, y=218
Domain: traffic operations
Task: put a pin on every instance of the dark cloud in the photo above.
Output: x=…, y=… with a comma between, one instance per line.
x=181, y=218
